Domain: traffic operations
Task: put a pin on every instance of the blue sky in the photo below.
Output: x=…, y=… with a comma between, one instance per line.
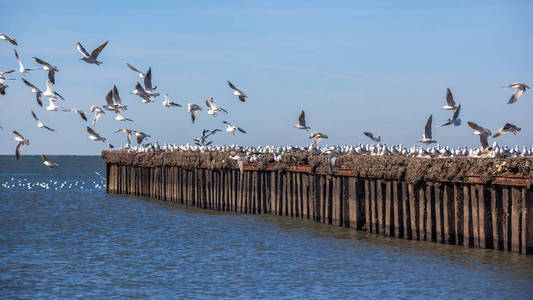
x=353, y=66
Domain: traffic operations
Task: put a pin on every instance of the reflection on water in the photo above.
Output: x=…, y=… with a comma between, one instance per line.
x=82, y=242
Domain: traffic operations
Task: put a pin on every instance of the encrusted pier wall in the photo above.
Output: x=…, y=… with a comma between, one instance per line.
x=491, y=210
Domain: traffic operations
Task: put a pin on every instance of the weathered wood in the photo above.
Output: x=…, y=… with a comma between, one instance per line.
x=468, y=239
x=352, y=207
x=474, y=202
x=506, y=218
x=336, y=205
x=430, y=213
x=516, y=202
x=527, y=221
x=438, y=221
x=380, y=201
x=389, y=219
x=368, y=219
x=414, y=215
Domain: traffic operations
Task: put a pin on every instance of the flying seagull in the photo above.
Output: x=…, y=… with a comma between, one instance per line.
x=455, y=118
x=483, y=133
x=240, y=160
x=141, y=92
x=520, y=88
x=8, y=38
x=237, y=92
x=91, y=59
x=426, y=133
x=148, y=84
x=38, y=93
x=113, y=101
x=39, y=122
x=2, y=73
x=127, y=131
x=372, y=136
x=233, y=128
x=22, y=70
x=301, y=122
x=120, y=117
x=47, y=162
x=508, y=127
x=95, y=136
x=21, y=142
x=52, y=106
x=79, y=112
x=97, y=113
x=450, y=103
x=318, y=136
x=47, y=67
x=140, y=136
x=51, y=93
x=193, y=110
x=168, y=103
x=141, y=74
x=212, y=108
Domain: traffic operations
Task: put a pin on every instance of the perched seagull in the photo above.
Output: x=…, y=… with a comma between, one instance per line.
x=193, y=110
x=240, y=160
x=91, y=59
x=97, y=113
x=141, y=74
x=520, y=88
x=148, y=84
x=237, y=92
x=21, y=142
x=47, y=67
x=168, y=103
x=301, y=122
x=331, y=160
x=47, y=162
x=426, y=133
x=232, y=128
x=455, y=118
x=127, y=131
x=95, y=136
x=140, y=136
x=51, y=93
x=483, y=133
x=22, y=70
x=80, y=112
x=318, y=136
x=120, y=117
x=38, y=93
x=508, y=127
x=212, y=108
x=8, y=38
x=450, y=103
x=373, y=137
x=39, y=123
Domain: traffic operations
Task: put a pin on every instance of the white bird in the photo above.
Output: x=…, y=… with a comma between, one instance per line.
x=193, y=110
x=52, y=106
x=168, y=103
x=140, y=136
x=520, y=88
x=318, y=136
x=22, y=70
x=483, y=133
x=450, y=103
x=127, y=131
x=148, y=84
x=21, y=142
x=455, y=118
x=426, y=133
x=38, y=93
x=95, y=136
x=141, y=74
x=97, y=113
x=332, y=158
x=301, y=122
x=212, y=108
x=232, y=128
x=141, y=92
x=51, y=93
x=79, y=112
x=120, y=117
x=113, y=101
x=508, y=127
x=47, y=67
x=47, y=162
x=91, y=59
x=237, y=92
x=372, y=136
x=240, y=160
x=39, y=122
x=8, y=38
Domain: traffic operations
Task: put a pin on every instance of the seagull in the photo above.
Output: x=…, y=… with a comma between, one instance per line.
x=52, y=106
x=212, y=108
x=8, y=38
x=21, y=142
x=51, y=93
x=426, y=133
x=47, y=162
x=455, y=118
x=331, y=160
x=47, y=67
x=232, y=128
x=141, y=74
x=508, y=127
x=3, y=88
x=148, y=84
x=39, y=122
x=193, y=110
x=113, y=101
x=125, y=130
x=450, y=103
x=141, y=92
x=318, y=136
x=140, y=136
x=301, y=122
x=373, y=137
x=168, y=103
x=91, y=59
x=2, y=73
x=120, y=117
x=80, y=112
x=22, y=70
x=38, y=93
x=483, y=133
x=520, y=88
x=240, y=160
x=97, y=113
x=95, y=136
x=237, y=92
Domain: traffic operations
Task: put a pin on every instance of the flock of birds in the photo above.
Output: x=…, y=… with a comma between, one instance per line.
x=148, y=94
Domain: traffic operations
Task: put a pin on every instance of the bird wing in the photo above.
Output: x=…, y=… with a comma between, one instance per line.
x=116, y=96
x=456, y=113
x=514, y=97
x=45, y=159
x=223, y=110
x=133, y=68
x=207, y=104
x=369, y=134
x=301, y=119
x=232, y=86
x=82, y=115
x=92, y=132
x=18, y=149
x=316, y=142
x=483, y=140
x=241, y=130
x=29, y=84
x=475, y=126
x=109, y=98
x=449, y=97
x=40, y=61
x=38, y=97
x=18, y=134
x=427, y=130
x=46, y=127
x=193, y=115
x=241, y=165
x=97, y=51
x=34, y=116
x=52, y=76
x=139, y=88
x=82, y=50
x=18, y=59
x=148, y=79
x=226, y=123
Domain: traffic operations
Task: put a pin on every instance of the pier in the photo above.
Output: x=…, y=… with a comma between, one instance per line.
x=476, y=203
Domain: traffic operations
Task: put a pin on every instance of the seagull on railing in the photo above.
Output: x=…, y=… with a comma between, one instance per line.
x=426, y=133
x=91, y=59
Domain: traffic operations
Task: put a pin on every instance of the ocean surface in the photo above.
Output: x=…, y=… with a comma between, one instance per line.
x=62, y=236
